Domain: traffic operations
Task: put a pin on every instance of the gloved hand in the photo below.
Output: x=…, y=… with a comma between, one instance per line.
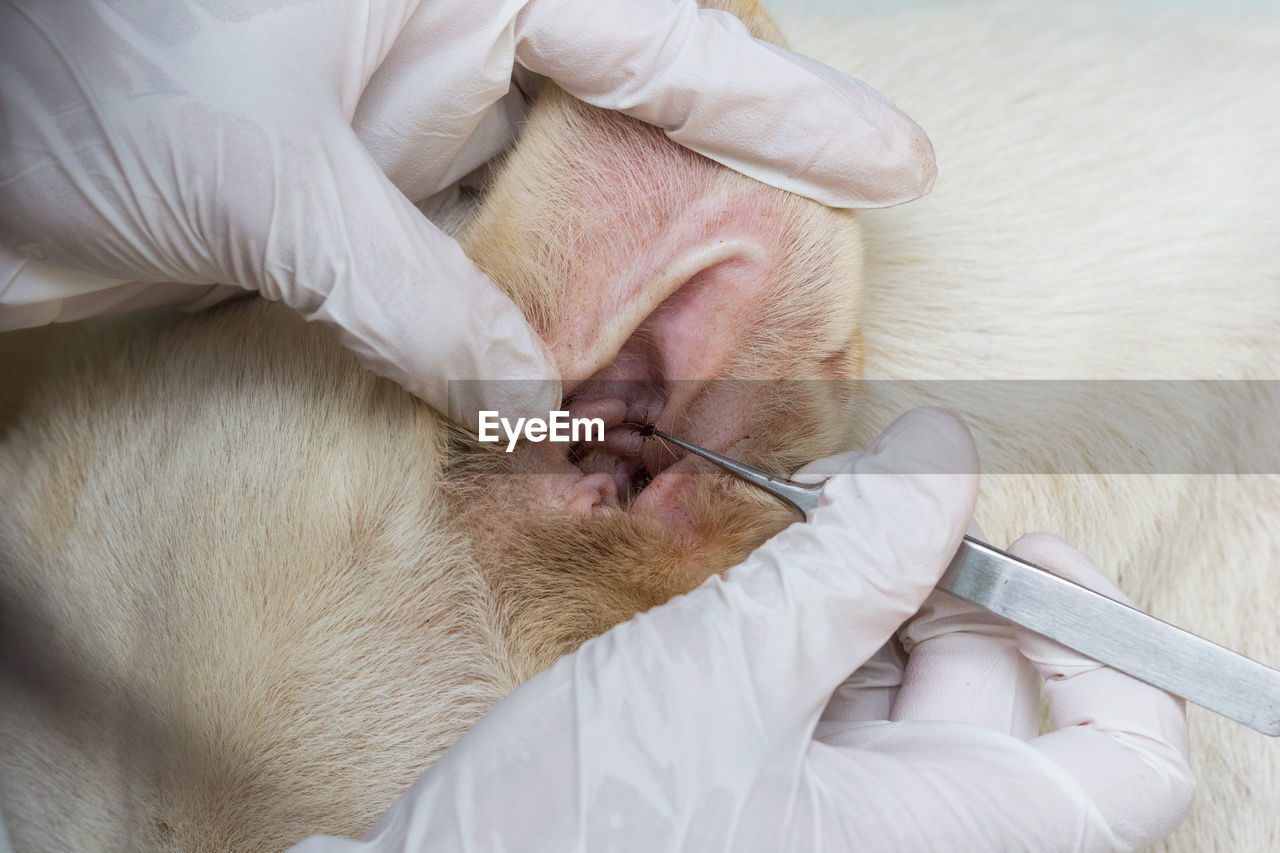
x=1112, y=776
x=692, y=726
x=277, y=147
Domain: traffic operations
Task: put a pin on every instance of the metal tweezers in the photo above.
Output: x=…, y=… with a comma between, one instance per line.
x=1092, y=624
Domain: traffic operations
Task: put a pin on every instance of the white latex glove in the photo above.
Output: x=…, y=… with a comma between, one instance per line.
x=1113, y=775
x=277, y=147
x=692, y=726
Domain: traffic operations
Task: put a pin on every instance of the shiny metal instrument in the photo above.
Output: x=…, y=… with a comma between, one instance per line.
x=1102, y=628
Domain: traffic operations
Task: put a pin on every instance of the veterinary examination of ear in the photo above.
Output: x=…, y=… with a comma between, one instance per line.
x=270, y=583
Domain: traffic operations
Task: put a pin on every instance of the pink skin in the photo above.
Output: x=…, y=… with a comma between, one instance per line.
x=684, y=318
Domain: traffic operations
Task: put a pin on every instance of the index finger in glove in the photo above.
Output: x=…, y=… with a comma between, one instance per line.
x=1122, y=741
x=764, y=111
x=965, y=666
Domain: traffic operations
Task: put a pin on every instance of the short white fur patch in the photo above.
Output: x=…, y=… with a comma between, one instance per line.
x=1105, y=209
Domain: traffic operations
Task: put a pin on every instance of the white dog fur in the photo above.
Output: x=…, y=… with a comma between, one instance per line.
x=1107, y=208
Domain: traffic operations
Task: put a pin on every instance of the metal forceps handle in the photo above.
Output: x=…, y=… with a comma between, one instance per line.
x=1085, y=621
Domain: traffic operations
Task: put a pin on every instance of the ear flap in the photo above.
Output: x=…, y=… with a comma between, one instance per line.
x=632, y=255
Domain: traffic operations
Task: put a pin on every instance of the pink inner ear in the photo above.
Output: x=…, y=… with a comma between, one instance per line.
x=699, y=328
x=679, y=310
x=644, y=233
x=712, y=296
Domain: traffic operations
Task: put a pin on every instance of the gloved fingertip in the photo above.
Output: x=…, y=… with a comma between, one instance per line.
x=907, y=168
x=535, y=395
x=943, y=614
x=1057, y=556
x=894, y=157
x=929, y=440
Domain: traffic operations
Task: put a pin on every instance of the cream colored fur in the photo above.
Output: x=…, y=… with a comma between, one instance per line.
x=1108, y=207
x=200, y=668
x=244, y=600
